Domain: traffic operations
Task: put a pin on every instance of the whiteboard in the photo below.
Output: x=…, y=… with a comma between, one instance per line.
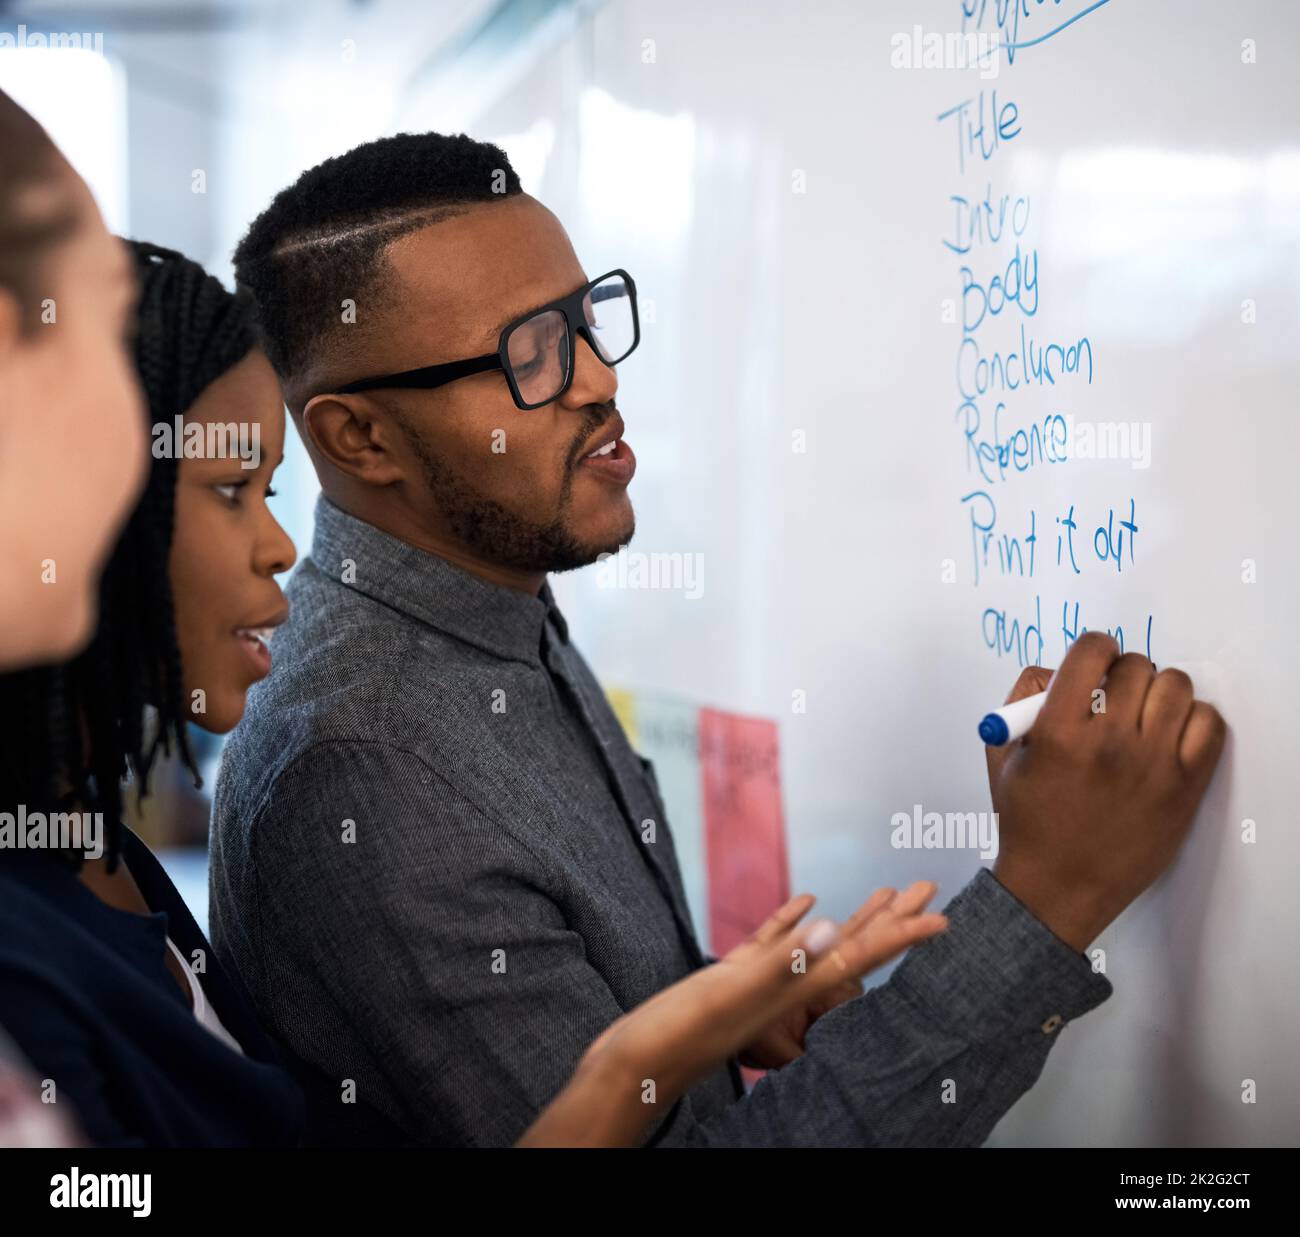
x=782, y=194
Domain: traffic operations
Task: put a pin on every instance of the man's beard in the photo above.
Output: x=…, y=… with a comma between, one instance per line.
x=501, y=536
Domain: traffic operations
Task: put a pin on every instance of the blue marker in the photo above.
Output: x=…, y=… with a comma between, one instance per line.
x=1011, y=721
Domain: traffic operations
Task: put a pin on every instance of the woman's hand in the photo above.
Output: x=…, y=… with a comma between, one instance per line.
x=644, y=1061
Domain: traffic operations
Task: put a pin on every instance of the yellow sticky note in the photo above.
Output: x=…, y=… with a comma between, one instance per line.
x=623, y=702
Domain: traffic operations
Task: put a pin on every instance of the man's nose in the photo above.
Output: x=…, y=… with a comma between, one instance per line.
x=594, y=382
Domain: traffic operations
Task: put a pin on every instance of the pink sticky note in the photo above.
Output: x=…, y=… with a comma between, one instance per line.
x=744, y=826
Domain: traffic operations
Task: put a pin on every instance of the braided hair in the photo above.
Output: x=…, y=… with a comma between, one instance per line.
x=72, y=732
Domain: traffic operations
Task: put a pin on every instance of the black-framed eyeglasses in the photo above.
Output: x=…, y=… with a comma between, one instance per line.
x=536, y=351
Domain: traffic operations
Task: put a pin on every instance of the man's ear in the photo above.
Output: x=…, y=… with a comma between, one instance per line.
x=357, y=437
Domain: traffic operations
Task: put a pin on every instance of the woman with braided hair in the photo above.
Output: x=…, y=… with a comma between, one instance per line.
x=106, y=982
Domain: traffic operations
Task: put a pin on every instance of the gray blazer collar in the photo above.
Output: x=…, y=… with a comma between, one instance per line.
x=414, y=582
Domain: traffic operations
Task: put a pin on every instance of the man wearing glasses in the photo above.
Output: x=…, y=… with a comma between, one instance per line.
x=436, y=861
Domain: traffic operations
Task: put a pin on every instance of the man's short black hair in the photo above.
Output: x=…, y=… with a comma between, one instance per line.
x=321, y=240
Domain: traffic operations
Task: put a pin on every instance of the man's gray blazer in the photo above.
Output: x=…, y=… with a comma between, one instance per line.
x=441, y=871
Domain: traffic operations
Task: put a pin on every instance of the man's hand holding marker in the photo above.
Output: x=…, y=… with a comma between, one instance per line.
x=1095, y=799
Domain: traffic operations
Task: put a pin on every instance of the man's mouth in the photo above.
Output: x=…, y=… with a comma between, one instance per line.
x=613, y=462
x=611, y=459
